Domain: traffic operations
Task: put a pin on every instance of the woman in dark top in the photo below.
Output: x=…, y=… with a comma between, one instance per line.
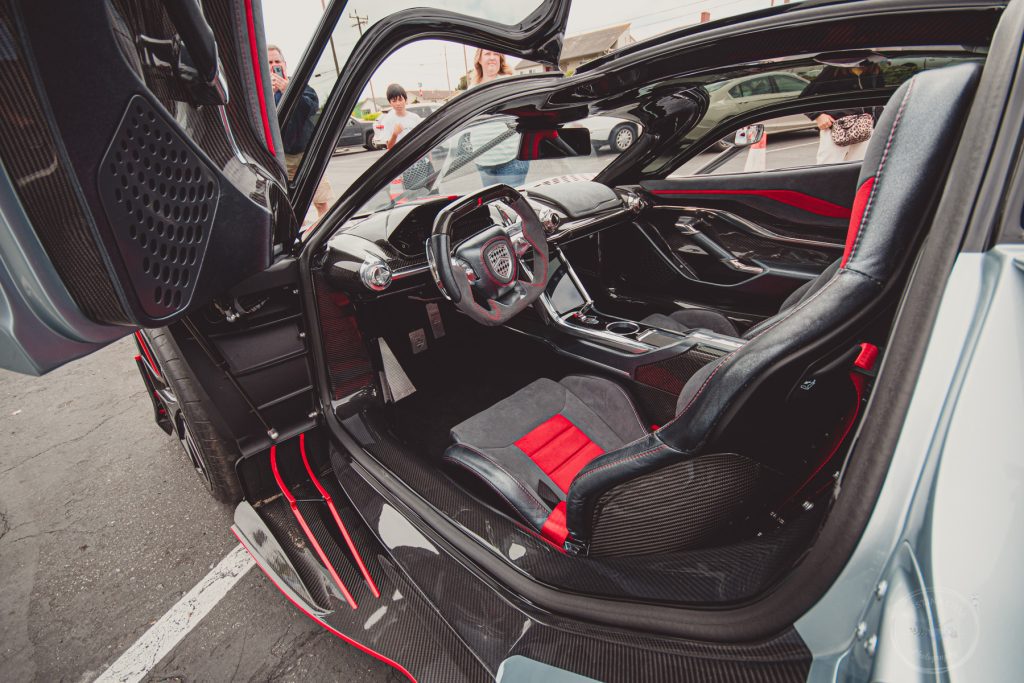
x=842, y=79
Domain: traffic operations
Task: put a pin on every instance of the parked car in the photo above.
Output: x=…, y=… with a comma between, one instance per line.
x=356, y=133
x=616, y=134
x=421, y=110
x=732, y=97
x=748, y=426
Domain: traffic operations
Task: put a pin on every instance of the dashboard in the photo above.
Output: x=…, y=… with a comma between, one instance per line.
x=380, y=248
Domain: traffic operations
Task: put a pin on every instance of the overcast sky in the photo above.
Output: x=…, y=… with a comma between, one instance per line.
x=290, y=24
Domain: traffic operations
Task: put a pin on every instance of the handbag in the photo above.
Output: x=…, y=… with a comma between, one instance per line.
x=849, y=130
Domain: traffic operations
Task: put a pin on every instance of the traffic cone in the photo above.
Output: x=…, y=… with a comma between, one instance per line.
x=757, y=155
x=396, y=187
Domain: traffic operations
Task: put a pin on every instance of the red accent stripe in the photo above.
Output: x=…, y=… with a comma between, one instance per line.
x=560, y=448
x=339, y=634
x=145, y=350
x=305, y=528
x=337, y=518
x=258, y=74
x=860, y=202
x=554, y=528
x=804, y=202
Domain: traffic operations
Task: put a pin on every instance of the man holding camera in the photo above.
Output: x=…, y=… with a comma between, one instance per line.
x=299, y=130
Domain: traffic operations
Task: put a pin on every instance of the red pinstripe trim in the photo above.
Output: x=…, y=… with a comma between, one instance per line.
x=258, y=73
x=145, y=350
x=305, y=528
x=336, y=632
x=337, y=518
x=799, y=200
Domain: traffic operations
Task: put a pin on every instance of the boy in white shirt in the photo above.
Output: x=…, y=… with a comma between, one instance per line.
x=398, y=121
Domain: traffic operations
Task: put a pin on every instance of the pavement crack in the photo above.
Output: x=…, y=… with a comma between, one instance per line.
x=241, y=652
x=99, y=424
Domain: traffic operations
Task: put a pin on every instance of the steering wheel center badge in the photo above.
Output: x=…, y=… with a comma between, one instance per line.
x=499, y=260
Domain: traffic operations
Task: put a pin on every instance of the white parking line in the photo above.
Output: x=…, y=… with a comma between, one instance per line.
x=162, y=636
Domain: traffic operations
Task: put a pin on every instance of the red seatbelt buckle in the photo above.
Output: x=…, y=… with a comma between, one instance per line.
x=865, y=361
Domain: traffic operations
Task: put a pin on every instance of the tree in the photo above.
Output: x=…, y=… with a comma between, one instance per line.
x=463, y=83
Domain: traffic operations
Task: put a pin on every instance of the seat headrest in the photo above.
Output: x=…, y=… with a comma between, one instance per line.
x=904, y=165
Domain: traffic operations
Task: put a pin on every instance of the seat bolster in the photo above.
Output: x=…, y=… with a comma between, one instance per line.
x=610, y=403
x=687, y=319
x=509, y=477
x=608, y=470
x=665, y=322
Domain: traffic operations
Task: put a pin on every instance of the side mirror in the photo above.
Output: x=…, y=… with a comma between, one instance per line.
x=749, y=135
x=554, y=143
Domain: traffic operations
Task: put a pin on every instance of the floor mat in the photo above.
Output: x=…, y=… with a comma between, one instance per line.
x=459, y=379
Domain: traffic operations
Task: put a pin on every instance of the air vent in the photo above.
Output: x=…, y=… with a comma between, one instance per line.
x=160, y=199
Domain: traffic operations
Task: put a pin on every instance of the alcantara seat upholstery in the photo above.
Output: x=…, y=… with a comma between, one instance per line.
x=574, y=459
x=694, y=318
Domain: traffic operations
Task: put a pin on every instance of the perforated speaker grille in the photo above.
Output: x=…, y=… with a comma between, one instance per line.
x=160, y=199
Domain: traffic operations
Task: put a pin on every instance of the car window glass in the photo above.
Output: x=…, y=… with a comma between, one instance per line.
x=789, y=84
x=796, y=138
x=291, y=38
x=755, y=86
x=484, y=152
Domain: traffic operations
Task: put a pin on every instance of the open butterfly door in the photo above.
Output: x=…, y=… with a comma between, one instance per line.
x=142, y=170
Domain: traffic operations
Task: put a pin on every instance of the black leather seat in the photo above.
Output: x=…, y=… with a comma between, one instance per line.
x=575, y=461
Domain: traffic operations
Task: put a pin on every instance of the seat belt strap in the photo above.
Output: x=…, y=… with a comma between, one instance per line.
x=554, y=528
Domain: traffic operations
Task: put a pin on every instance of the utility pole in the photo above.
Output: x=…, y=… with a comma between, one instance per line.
x=359, y=21
x=334, y=54
x=444, y=49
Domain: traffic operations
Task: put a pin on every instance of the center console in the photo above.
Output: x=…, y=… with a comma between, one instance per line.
x=657, y=360
x=571, y=310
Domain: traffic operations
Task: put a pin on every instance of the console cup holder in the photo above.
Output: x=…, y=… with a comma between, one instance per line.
x=622, y=327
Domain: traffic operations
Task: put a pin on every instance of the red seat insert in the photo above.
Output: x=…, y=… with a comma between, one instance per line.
x=560, y=448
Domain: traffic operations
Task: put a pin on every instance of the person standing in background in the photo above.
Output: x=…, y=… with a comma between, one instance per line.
x=861, y=75
x=295, y=136
x=498, y=164
x=398, y=121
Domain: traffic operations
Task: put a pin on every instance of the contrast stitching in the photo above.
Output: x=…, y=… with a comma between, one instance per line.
x=492, y=487
x=782, y=318
x=635, y=456
x=518, y=483
x=629, y=400
x=878, y=173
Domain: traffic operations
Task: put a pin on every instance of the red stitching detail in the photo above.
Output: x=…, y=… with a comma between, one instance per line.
x=509, y=474
x=878, y=173
x=635, y=456
x=628, y=398
x=781, y=319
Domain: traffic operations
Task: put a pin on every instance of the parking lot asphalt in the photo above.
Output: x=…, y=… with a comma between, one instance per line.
x=104, y=527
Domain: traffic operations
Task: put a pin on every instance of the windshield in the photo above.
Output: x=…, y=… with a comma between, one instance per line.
x=485, y=153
